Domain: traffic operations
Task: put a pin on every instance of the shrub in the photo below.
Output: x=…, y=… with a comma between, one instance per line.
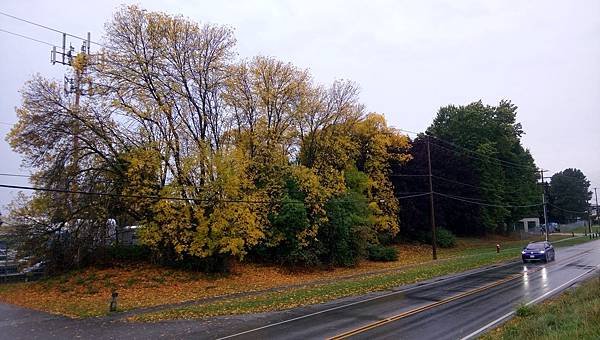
x=129, y=253
x=445, y=238
x=346, y=234
x=524, y=310
x=380, y=253
x=289, y=222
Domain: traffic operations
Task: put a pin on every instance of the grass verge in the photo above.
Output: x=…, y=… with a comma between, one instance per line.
x=86, y=293
x=325, y=292
x=334, y=290
x=573, y=315
x=585, y=230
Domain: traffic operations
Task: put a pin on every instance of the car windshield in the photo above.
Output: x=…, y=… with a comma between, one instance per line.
x=535, y=246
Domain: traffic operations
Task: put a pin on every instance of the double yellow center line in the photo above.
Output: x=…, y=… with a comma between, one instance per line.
x=429, y=306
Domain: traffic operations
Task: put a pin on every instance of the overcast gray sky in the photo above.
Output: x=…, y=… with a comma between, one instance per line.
x=409, y=57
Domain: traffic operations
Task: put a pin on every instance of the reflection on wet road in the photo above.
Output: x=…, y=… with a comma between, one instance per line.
x=449, y=309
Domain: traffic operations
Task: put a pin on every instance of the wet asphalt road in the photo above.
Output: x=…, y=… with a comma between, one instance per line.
x=447, y=308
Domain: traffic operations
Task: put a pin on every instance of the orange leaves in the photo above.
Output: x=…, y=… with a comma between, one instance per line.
x=87, y=293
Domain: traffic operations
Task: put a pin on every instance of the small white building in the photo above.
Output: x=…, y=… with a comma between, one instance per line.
x=532, y=223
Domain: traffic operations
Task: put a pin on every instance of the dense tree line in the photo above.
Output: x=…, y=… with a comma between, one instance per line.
x=483, y=174
x=568, y=196
x=217, y=157
x=254, y=156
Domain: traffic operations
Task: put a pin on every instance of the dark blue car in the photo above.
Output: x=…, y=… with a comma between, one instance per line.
x=538, y=251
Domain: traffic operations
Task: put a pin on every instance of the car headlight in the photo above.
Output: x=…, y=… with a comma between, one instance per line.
x=541, y=252
x=523, y=252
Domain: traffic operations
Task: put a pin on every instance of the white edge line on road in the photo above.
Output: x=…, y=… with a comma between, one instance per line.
x=366, y=300
x=503, y=317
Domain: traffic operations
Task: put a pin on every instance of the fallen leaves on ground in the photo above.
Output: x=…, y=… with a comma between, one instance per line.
x=87, y=292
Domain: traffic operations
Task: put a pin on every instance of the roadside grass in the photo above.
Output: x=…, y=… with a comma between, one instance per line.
x=572, y=315
x=330, y=291
x=86, y=293
x=323, y=292
x=583, y=230
x=571, y=241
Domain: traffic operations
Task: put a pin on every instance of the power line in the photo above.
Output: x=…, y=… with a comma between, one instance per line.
x=407, y=131
x=411, y=196
x=14, y=175
x=96, y=193
x=481, y=154
x=48, y=28
x=462, y=147
x=566, y=210
x=409, y=193
x=456, y=182
x=403, y=175
x=467, y=200
x=26, y=37
x=483, y=158
x=482, y=187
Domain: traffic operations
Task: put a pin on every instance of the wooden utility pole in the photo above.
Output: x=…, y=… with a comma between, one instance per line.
x=597, y=212
x=431, y=205
x=544, y=203
x=589, y=219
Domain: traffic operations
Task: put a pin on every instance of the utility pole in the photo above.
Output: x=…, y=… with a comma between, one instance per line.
x=544, y=203
x=73, y=86
x=589, y=219
x=597, y=212
x=431, y=208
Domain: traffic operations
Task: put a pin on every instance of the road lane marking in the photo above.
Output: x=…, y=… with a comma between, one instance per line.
x=464, y=274
x=428, y=306
x=507, y=315
x=441, y=302
x=475, y=271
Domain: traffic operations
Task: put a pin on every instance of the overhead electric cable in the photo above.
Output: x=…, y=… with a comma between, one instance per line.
x=566, y=210
x=13, y=175
x=95, y=193
x=48, y=28
x=506, y=164
x=26, y=37
x=403, y=175
x=467, y=200
x=411, y=196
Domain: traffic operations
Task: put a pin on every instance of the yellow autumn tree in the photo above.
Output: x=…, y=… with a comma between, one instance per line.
x=379, y=147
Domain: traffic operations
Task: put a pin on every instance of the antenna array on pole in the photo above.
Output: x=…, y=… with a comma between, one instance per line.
x=65, y=57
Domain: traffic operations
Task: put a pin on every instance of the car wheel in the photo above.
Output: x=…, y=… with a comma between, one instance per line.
x=546, y=258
